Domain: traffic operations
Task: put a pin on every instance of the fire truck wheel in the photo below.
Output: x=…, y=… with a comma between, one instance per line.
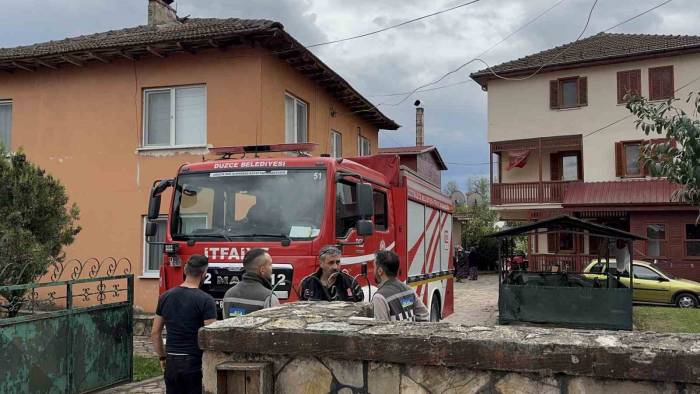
x=435, y=314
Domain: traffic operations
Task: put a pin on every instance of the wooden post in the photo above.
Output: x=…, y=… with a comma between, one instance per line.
x=491, y=172
x=539, y=154
x=630, y=248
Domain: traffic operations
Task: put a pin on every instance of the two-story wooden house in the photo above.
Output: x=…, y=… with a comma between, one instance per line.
x=111, y=112
x=562, y=141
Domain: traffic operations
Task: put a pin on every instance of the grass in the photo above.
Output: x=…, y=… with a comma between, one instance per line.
x=146, y=368
x=666, y=319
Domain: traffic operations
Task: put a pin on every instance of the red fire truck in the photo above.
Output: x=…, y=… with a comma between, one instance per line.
x=293, y=206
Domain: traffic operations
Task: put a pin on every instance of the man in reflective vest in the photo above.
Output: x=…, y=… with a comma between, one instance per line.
x=254, y=291
x=394, y=300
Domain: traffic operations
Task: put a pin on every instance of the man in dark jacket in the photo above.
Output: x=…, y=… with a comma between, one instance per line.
x=473, y=264
x=254, y=291
x=328, y=283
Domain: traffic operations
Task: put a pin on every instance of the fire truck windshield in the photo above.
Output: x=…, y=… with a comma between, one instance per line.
x=249, y=205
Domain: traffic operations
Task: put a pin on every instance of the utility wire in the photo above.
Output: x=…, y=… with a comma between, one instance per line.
x=393, y=26
x=418, y=89
x=539, y=69
x=531, y=21
x=570, y=45
x=477, y=59
x=630, y=115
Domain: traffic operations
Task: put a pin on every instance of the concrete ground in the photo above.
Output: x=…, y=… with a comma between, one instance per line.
x=476, y=301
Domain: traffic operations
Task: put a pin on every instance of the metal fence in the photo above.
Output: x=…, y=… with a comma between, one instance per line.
x=68, y=335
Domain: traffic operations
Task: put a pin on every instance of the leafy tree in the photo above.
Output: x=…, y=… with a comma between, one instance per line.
x=451, y=187
x=35, y=223
x=480, y=223
x=678, y=157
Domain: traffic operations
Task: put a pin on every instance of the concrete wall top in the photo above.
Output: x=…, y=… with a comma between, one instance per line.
x=328, y=330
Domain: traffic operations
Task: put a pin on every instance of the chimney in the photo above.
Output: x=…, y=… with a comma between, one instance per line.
x=160, y=12
x=419, y=126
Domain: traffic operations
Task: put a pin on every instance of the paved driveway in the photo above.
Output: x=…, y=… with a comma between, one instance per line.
x=476, y=301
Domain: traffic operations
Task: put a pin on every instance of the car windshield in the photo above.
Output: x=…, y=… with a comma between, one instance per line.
x=251, y=205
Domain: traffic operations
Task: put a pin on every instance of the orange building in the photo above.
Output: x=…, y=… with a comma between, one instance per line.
x=111, y=112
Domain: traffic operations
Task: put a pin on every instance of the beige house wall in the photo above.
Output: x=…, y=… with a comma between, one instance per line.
x=84, y=126
x=520, y=109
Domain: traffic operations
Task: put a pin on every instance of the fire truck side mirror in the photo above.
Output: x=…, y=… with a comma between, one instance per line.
x=365, y=227
x=154, y=207
x=365, y=202
x=154, y=202
x=151, y=229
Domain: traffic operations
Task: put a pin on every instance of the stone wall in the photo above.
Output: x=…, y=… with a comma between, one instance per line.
x=322, y=348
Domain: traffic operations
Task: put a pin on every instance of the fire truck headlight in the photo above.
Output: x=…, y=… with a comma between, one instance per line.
x=171, y=248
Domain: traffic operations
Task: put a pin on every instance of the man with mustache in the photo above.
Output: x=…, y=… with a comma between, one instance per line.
x=328, y=283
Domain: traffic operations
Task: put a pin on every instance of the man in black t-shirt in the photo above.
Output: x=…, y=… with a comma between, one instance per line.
x=183, y=310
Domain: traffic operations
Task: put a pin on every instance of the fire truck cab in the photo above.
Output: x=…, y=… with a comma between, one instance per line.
x=293, y=206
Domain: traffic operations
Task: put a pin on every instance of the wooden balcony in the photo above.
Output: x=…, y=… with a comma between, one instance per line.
x=528, y=192
x=562, y=262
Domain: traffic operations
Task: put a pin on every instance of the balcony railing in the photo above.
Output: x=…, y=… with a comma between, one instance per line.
x=562, y=262
x=528, y=192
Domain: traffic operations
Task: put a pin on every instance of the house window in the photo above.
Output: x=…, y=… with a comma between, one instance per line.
x=628, y=159
x=5, y=123
x=692, y=240
x=656, y=240
x=295, y=120
x=661, y=83
x=628, y=83
x=566, y=166
x=336, y=144
x=175, y=117
x=363, y=147
x=568, y=92
x=192, y=222
x=380, y=211
x=153, y=253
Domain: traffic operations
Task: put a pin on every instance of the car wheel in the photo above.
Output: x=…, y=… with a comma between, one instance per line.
x=435, y=314
x=686, y=300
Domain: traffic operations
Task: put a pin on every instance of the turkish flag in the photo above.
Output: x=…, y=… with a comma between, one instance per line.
x=517, y=158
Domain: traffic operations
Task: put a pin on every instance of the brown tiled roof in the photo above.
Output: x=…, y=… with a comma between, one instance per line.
x=414, y=150
x=140, y=35
x=191, y=35
x=598, y=49
x=631, y=192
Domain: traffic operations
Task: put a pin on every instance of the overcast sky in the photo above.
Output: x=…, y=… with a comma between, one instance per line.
x=394, y=61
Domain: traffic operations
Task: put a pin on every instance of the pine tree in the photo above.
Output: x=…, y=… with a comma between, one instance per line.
x=35, y=223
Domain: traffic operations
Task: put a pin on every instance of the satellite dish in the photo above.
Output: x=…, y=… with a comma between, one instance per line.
x=458, y=198
x=474, y=199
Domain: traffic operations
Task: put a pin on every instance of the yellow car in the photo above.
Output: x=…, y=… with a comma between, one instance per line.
x=651, y=284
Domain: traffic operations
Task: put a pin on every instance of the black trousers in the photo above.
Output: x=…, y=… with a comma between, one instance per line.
x=183, y=374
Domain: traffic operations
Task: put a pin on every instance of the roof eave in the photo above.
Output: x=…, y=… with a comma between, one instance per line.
x=484, y=76
x=272, y=37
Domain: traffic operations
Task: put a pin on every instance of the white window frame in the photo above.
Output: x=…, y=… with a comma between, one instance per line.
x=172, y=90
x=146, y=273
x=335, y=148
x=9, y=102
x=360, y=151
x=295, y=123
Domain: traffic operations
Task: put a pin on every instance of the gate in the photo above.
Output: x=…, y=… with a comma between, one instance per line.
x=68, y=336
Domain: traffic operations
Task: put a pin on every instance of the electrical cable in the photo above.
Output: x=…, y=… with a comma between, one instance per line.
x=393, y=26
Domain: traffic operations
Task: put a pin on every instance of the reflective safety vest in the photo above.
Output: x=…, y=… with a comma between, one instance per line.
x=401, y=299
x=251, y=294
